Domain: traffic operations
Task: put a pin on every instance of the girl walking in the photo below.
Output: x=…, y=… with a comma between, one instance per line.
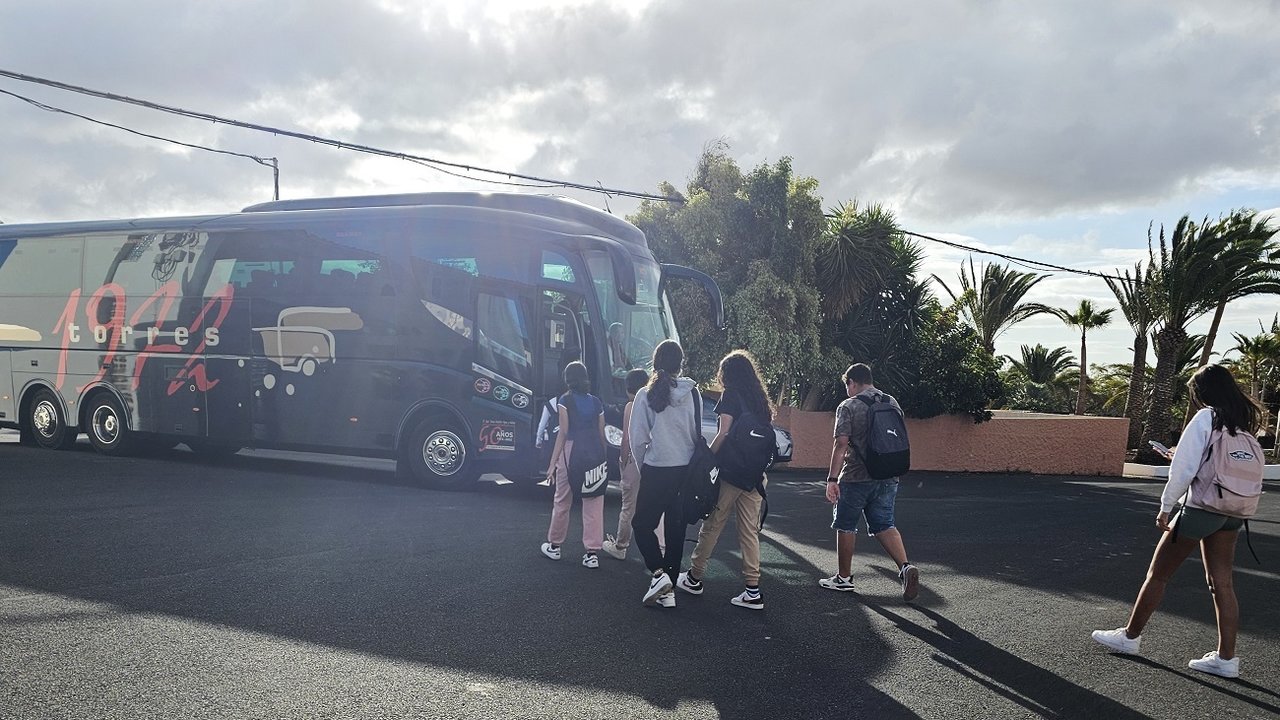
x=581, y=422
x=741, y=490
x=616, y=545
x=662, y=432
x=1224, y=408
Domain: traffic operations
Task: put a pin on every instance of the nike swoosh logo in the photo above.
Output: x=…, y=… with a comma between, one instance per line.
x=753, y=433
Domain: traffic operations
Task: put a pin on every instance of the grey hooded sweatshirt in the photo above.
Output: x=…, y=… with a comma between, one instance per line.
x=665, y=439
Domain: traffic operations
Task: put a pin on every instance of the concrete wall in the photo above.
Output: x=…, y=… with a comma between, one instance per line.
x=1011, y=441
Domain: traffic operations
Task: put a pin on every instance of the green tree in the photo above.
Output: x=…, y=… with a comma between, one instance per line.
x=1086, y=317
x=755, y=234
x=1258, y=354
x=1185, y=271
x=1249, y=265
x=1040, y=380
x=1133, y=294
x=993, y=302
x=1041, y=365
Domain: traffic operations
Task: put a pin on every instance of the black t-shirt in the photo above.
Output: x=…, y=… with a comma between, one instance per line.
x=730, y=404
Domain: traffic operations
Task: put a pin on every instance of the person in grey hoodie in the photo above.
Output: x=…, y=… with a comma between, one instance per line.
x=662, y=432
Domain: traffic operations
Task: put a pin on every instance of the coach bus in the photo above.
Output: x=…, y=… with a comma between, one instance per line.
x=428, y=328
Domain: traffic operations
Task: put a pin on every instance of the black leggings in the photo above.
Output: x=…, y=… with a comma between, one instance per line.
x=660, y=493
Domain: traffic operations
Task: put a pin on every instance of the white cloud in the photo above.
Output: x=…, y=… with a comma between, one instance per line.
x=1054, y=131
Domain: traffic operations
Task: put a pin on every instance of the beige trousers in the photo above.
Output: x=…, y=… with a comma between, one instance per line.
x=745, y=505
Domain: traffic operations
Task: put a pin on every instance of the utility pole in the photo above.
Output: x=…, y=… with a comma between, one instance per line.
x=274, y=164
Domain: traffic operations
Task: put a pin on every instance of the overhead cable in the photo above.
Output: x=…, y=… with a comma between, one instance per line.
x=427, y=161
x=1025, y=262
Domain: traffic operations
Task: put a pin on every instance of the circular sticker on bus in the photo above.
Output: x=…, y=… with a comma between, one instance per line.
x=520, y=400
x=483, y=386
x=501, y=393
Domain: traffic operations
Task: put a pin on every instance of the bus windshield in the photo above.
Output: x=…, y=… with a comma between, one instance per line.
x=634, y=330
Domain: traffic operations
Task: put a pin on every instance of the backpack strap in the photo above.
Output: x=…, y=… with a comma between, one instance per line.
x=697, y=415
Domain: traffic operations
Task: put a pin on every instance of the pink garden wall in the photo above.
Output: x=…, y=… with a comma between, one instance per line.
x=1011, y=441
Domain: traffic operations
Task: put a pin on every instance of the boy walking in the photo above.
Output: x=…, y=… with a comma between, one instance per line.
x=854, y=493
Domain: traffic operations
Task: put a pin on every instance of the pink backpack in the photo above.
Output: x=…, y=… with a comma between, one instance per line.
x=1229, y=481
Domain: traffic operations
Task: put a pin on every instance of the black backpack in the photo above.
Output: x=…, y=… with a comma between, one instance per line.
x=701, y=487
x=888, y=450
x=747, y=452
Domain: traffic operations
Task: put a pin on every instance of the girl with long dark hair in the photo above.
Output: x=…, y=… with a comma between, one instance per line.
x=662, y=433
x=1224, y=407
x=743, y=392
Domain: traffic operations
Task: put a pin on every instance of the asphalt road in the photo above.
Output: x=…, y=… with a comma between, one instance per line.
x=265, y=587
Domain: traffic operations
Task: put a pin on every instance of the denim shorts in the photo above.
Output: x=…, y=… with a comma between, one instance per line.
x=873, y=498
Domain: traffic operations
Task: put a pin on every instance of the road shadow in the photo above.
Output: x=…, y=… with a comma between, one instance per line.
x=446, y=580
x=1040, y=692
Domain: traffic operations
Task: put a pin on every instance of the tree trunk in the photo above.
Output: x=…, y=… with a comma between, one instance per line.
x=1213, y=332
x=1082, y=391
x=1135, y=405
x=1169, y=343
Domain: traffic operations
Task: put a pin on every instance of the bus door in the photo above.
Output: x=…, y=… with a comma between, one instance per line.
x=561, y=341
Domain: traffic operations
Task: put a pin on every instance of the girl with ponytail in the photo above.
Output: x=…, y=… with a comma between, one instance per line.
x=662, y=434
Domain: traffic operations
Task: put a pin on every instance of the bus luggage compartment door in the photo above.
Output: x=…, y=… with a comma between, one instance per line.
x=177, y=406
x=8, y=403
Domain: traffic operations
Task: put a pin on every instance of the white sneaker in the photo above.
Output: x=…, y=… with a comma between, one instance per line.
x=551, y=551
x=745, y=600
x=688, y=584
x=659, y=584
x=590, y=560
x=611, y=547
x=1215, y=665
x=1118, y=641
x=668, y=600
x=837, y=583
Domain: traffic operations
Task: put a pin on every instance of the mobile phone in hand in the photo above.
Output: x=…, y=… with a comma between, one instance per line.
x=1160, y=448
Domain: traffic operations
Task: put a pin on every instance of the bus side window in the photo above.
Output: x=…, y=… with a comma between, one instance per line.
x=503, y=338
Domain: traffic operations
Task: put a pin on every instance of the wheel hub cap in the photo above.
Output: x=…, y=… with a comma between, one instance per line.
x=106, y=426
x=45, y=418
x=443, y=453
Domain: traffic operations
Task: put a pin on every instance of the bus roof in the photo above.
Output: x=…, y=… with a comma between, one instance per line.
x=480, y=206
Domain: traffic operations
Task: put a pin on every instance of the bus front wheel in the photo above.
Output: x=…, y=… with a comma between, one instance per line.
x=438, y=455
x=106, y=426
x=47, y=423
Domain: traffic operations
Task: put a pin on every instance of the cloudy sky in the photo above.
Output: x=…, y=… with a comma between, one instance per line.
x=1056, y=132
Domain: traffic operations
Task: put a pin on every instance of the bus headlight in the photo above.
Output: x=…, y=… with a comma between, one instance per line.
x=613, y=434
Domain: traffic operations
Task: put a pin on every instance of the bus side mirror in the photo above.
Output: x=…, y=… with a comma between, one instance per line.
x=670, y=272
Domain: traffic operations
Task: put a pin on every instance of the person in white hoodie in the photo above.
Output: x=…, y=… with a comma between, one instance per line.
x=1223, y=407
x=662, y=433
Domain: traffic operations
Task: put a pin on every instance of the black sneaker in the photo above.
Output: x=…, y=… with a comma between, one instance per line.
x=909, y=576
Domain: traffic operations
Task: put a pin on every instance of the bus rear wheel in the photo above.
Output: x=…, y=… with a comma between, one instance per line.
x=47, y=423
x=437, y=455
x=106, y=426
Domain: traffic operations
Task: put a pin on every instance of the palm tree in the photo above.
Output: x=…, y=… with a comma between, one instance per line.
x=993, y=303
x=1257, y=353
x=1250, y=266
x=1133, y=294
x=1041, y=380
x=869, y=297
x=1185, y=271
x=1086, y=317
x=1042, y=365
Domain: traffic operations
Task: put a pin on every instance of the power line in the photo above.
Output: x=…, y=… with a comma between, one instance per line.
x=270, y=162
x=1024, y=262
x=427, y=161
